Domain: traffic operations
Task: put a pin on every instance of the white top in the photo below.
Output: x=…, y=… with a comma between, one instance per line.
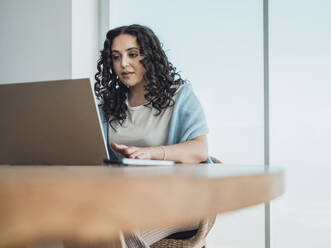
x=141, y=127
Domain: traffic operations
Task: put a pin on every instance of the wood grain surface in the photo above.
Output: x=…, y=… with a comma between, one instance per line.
x=95, y=203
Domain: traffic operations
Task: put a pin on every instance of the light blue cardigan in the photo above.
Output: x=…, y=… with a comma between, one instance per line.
x=187, y=122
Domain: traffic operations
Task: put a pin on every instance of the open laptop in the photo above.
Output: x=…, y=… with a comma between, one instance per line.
x=50, y=123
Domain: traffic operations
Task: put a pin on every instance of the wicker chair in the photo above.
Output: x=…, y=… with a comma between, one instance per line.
x=197, y=240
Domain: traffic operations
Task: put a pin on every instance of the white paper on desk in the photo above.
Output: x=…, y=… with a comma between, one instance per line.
x=145, y=162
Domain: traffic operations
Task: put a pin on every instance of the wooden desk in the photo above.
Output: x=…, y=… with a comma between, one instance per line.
x=93, y=203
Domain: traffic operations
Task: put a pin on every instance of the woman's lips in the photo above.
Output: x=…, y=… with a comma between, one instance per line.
x=127, y=74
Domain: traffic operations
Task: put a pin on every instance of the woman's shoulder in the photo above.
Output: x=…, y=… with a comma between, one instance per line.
x=184, y=90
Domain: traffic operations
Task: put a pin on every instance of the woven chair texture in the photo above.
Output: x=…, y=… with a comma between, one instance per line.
x=197, y=241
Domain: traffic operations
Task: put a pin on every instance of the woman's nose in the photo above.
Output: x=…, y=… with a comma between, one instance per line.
x=125, y=61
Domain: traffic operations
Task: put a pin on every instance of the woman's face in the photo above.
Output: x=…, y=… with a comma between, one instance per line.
x=126, y=60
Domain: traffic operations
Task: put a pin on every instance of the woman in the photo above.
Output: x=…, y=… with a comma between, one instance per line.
x=148, y=110
x=152, y=113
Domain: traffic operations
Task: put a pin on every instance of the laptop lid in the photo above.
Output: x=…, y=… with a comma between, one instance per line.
x=51, y=122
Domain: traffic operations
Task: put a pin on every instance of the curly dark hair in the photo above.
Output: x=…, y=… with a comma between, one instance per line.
x=162, y=80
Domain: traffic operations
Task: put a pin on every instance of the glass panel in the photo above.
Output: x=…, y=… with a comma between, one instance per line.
x=300, y=103
x=217, y=46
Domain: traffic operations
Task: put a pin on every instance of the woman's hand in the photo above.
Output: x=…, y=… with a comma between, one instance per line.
x=189, y=152
x=134, y=151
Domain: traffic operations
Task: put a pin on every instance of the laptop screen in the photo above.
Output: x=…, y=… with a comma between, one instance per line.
x=50, y=123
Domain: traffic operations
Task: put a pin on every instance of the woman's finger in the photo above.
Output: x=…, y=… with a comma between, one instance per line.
x=131, y=149
x=118, y=147
x=135, y=154
x=140, y=155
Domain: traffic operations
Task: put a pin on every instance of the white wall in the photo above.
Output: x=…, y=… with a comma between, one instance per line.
x=48, y=40
x=35, y=41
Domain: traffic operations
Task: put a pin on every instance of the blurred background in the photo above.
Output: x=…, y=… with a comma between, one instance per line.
x=218, y=47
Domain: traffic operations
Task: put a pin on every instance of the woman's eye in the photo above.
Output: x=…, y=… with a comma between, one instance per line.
x=116, y=57
x=133, y=55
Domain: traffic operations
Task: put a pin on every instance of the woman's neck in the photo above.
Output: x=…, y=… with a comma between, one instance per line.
x=136, y=95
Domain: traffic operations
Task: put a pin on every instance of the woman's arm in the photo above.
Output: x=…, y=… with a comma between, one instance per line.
x=189, y=152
